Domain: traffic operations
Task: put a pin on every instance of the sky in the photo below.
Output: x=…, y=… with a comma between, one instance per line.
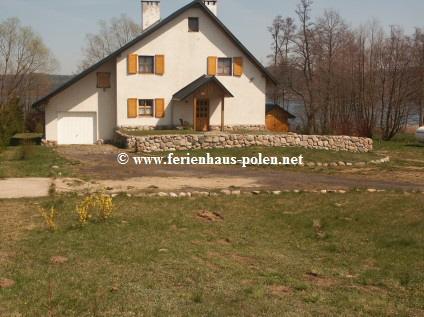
x=63, y=24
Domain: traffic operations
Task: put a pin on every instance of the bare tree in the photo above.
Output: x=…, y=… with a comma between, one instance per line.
x=302, y=83
x=333, y=36
x=418, y=55
x=23, y=57
x=349, y=81
x=368, y=47
x=276, y=29
x=396, y=83
x=113, y=35
x=289, y=29
x=282, y=32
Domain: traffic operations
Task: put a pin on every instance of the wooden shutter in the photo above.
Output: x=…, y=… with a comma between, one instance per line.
x=212, y=65
x=103, y=80
x=132, y=63
x=238, y=66
x=160, y=108
x=160, y=64
x=132, y=108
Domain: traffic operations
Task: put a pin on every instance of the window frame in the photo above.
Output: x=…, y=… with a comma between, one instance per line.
x=198, y=24
x=230, y=59
x=152, y=115
x=145, y=64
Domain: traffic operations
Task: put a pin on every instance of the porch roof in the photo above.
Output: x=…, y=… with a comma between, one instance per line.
x=199, y=83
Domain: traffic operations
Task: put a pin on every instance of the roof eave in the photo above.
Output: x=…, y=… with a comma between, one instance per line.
x=146, y=33
x=241, y=46
x=114, y=54
x=206, y=80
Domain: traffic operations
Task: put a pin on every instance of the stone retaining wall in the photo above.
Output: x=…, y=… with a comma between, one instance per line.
x=48, y=143
x=158, y=143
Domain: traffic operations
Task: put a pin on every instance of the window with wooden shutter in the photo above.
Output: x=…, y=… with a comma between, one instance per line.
x=224, y=66
x=103, y=80
x=160, y=108
x=238, y=66
x=145, y=107
x=132, y=108
x=146, y=64
x=132, y=63
x=160, y=64
x=212, y=65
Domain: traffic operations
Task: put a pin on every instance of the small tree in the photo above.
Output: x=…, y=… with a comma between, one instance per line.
x=11, y=122
x=23, y=55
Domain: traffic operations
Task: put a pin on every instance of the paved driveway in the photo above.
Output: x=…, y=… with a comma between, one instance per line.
x=24, y=187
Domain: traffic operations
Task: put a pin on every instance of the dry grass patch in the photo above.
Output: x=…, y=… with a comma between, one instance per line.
x=156, y=257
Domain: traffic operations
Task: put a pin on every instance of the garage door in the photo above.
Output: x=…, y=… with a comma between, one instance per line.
x=77, y=128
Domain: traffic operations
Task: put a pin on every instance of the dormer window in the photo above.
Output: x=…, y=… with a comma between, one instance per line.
x=193, y=24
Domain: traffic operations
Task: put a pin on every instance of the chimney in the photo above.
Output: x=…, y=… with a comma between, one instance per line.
x=150, y=11
x=211, y=5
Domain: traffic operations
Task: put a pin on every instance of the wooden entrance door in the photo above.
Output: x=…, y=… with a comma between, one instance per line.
x=202, y=115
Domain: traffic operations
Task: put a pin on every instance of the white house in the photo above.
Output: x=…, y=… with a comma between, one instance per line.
x=187, y=67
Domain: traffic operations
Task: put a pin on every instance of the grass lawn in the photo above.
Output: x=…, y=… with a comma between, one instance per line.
x=264, y=132
x=406, y=155
x=358, y=254
x=28, y=135
x=404, y=152
x=164, y=132
x=160, y=132
x=38, y=164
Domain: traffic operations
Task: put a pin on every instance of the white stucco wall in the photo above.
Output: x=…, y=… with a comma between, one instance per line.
x=84, y=96
x=186, y=60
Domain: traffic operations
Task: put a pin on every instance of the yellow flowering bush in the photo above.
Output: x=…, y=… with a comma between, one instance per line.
x=98, y=204
x=105, y=206
x=48, y=217
x=83, y=211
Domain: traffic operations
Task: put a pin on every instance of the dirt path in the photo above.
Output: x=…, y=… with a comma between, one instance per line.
x=24, y=187
x=100, y=165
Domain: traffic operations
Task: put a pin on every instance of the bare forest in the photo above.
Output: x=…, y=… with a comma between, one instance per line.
x=349, y=80
x=24, y=59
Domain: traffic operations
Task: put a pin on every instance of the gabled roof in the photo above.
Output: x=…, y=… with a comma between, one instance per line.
x=270, y=106
x=199, y=82
x=151, y=30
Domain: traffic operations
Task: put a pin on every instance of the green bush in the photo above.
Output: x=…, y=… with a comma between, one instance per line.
x=11, y=122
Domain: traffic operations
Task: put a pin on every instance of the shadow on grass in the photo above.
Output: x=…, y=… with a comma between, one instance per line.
x=415, y=145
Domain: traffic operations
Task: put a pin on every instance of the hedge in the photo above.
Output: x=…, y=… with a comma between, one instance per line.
x=11, y=122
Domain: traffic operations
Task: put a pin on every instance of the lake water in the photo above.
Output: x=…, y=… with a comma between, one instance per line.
x=296, y=109
x=414, y=119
